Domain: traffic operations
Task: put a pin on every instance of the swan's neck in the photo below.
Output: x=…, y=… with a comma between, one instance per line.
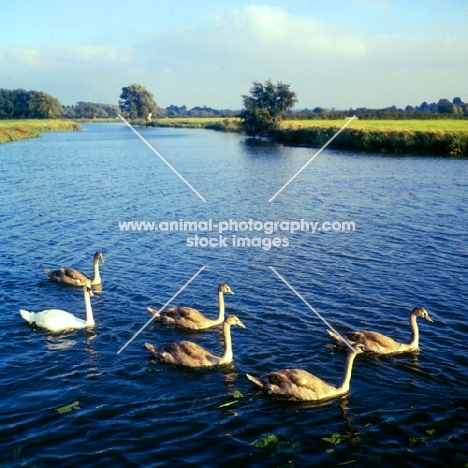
x=227, y=356
x=344, y=386
x=97, y=276
x=89, y=311
x=220, y=307
x=414, y=342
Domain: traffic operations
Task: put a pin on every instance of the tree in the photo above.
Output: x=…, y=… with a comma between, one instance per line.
x=265, y=106
x=458, y=106
x=22, y=104
x=137, y=102
x=21, y=99
x=424, y=107
x=444, y=106
x=7, y=107
x=44, y=106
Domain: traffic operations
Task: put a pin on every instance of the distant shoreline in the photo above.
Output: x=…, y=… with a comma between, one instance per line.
x=14, y=130
x=419, y=137
x=431, y=137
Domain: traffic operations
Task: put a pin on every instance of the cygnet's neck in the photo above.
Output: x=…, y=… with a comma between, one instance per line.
x=220, y=307
x=97, y=276
x=227, y=356
x=414, y=342
x=344, y=386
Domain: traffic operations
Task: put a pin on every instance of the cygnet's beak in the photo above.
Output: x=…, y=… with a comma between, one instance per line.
x=240, y=324
x=428, y=318
x=90, y=292
x=231, y=292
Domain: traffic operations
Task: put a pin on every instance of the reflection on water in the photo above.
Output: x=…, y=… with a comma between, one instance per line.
x=409, y=407
x=58, y=342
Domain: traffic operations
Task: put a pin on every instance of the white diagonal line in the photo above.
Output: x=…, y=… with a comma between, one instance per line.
x=312, y=309
x=161, y=157
x=311, y=159
x=161, y=309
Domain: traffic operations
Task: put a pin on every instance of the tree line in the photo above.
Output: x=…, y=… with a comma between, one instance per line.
x=22, y=104
x=137, y=102
x=442, y=109
x=197, y=111
x=264, y=108
x=268, y=104
x=90, y=110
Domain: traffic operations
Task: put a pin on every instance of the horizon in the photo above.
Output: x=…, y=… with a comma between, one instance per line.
x=352, y=54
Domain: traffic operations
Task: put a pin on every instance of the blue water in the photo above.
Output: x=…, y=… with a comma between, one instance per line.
x=61, y=199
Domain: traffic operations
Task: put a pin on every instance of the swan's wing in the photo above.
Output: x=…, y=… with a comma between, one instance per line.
x=56, y=320
x=374, y=342
x=302, y=378
x=75, y=274
x=182, y=312
x=187, y=353
x=297, y=383
x=186, y=317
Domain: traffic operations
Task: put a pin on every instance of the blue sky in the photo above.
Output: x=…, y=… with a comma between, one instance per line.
x=333, y=53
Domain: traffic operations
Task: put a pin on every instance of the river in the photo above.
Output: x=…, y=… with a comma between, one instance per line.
x=390, y=233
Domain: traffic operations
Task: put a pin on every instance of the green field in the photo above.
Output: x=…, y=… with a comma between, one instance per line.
x=413, y=125
x=217, y=123
x=448, y=125
x=13, y=130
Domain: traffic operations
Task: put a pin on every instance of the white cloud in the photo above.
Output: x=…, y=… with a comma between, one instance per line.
x=273, y=27
x=29, y=57
x=101, y=54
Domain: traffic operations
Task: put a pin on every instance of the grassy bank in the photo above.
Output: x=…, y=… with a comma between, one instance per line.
x=13, y=130
x=445, y=137
x=449, y=137
x=212, y=123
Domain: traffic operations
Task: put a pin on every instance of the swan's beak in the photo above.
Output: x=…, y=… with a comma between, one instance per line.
x=231, y=292
x=428, y=318
x=102, y=259
x=240, y=324
x=90, y=292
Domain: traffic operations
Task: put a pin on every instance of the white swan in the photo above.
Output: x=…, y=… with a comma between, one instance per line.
x=301, y=385
x=187, y=353
x=59, y=320
x=382, y=344
x=73, y=277
x=186, y=317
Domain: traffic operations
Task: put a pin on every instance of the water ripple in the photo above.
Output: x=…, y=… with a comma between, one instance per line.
x=63, y=196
